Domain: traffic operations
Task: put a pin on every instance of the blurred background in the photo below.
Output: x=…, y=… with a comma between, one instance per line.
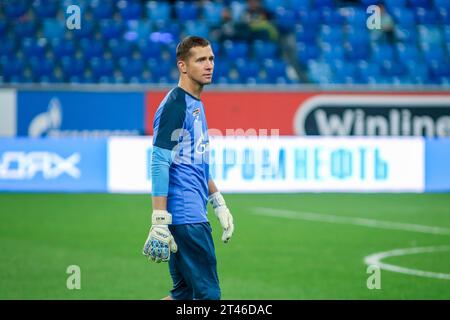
x=329, y=127
x=255, y=41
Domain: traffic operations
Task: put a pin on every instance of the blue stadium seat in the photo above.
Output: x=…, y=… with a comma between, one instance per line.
x=119, y=48
x=49, y=79
x=198, y=28
x=442, y=4
x=272, y=5
x=159, y=68
x=367, y=3
x=331, y=34
x=141, y=29
x=158, y=11
x=356, y=51
x=319, y=72
x=102, y=9
x=222, y=69
x=356, y=17
x=42, y=67
x=417, y=71
x=404, y=17
x=247, y=68
x=323, y=3
x=392, y=69
x=305, y=34
x=111, y=29
x=32, y=47
x=343, y=70
x=391, y=4
x=368, y=70
x=274, y=68
x=446, y=31
x=3, y=28
x=285, y=19
x=432, y=53
x=235, y=50
x=62, y=47
x=420, y=3
x=444, y=16
x=86, y=31
x=45, y=8
x=331, y=52
x=131, y=68
x=408, y=35
x=171, y=28
x=356, y=36
x=91, y=48
x=8, y=47
x=212, y=13
x=332, y=16
x=72, y=67
x=430, y=34
x=15, y=8
x=25, y=29
x=299, y=4
x=264, y=50
x=101, y=67
x=309, y=18
x=53, y=28
x=408, y=52
x=11, y=68
x=426, y=16
x=186, y=10
x=149, y=49
x=439, y=69
x=307, y=52
x=129, y=10
x=445, y=81
x=382, y=53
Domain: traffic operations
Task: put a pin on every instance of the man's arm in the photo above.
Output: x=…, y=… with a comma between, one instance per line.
x=221, y=211
x=159, y=202
x=212, y=187
x=160, y=242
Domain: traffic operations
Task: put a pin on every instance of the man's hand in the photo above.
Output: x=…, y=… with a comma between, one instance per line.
x=223, y=214
x=160, y=241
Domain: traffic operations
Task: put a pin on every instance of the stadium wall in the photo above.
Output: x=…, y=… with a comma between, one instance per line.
x=240, y=164
x=69, y=139
x=102, y=112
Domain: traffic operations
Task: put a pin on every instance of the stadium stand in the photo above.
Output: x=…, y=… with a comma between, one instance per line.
x=130, y=41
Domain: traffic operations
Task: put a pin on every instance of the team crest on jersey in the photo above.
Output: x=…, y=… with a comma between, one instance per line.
x=196, y=112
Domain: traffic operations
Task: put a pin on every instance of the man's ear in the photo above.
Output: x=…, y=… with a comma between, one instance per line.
x=182, y=66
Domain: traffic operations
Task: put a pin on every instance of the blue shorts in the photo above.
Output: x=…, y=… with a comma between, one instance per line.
x=194, y=267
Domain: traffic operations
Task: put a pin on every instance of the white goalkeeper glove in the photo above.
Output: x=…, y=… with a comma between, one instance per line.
x=160, y=241
x=223, y=214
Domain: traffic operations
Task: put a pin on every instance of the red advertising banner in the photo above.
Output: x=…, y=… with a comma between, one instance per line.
x=322, y=113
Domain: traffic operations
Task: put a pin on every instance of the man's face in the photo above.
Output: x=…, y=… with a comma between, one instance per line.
x=200, y=65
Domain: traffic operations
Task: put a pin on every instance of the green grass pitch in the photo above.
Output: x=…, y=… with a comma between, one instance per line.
x=300, y=255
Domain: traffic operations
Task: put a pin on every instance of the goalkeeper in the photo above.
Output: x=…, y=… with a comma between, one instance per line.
x=180, y=231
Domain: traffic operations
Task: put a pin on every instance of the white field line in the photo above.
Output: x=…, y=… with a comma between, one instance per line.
x=375, y=259
x=370, y=223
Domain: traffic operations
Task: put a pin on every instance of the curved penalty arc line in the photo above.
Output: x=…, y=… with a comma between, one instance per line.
x=376, y=258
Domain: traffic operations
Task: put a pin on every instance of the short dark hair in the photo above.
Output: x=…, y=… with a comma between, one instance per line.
x=187, y=43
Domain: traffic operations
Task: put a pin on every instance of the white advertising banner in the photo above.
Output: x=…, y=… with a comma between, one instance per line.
x=8, y=113
x=286, y=164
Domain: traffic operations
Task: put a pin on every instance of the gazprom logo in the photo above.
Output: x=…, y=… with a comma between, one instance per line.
x=47, y=121
x=16, y=165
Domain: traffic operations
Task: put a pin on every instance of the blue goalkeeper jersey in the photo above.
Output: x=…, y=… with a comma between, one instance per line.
x=180, y=126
